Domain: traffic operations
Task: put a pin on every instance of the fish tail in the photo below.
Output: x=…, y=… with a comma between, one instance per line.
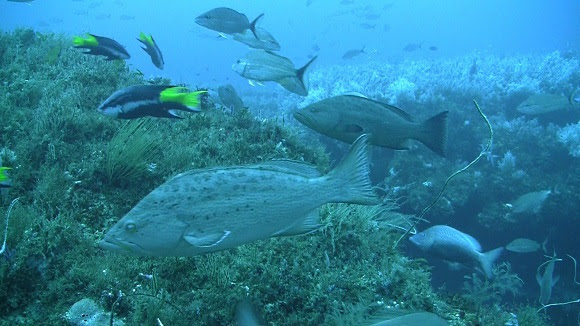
x=253, y=25
x=301, y=73
x=89, y=41
x=487, y=259
x=434, y=134
x=181, y=95
x=351, y=176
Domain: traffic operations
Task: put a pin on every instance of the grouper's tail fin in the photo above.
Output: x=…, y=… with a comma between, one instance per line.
x=487, y=258
x=351, y=177
x=434, y=134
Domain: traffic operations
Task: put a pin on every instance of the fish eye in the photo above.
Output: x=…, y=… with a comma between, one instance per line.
x=130, y=226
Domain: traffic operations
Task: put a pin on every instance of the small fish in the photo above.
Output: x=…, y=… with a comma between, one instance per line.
x=229, y=98
x=5, y=181
x=152, y=49
x=150, y=100
x=412, y=47
x=522, y=245
x=259, y=65
x=315, y=47
x=99, y=45
x=367, y=25
x=227, y=21
x=126, y=17
x=21, y=1
x=544, y=103
x=547, y=281
x=262, y=40
x=345, y=117
x=530, y=202
x=353, y=53
x=208, y=210
x=433, y=48
x=453, y=245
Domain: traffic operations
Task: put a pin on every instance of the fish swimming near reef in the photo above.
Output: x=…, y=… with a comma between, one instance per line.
x=229, y=98
x=227, y=20
x=414, y=319
x=530, y=202
x=544, y=103
x=522, y=245
x=262, y=40
x=214, y=209
x=345, y=117
x=5, y=181
x=152, y=50
x=100, y=45
x=453, y=245
x=353, y=53
x=412, y=47
x=260, y=65
x=547, y=281
x=150, y=100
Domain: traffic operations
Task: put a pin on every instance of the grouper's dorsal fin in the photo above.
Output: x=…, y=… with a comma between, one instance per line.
x=290, y=166
x=389, y=107
x=205, y=241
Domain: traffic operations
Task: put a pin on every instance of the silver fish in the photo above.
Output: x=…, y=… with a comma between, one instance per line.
x=227, y=20
x=547, y=281
x=530, y=202
x=262, y=40
x=214, y=209
x=417, y=318
x=346, y=117
x=544, y=103
x=229, y=98
x=523, y=245
x=453, y=245
x=262, y=65
x=353, y=53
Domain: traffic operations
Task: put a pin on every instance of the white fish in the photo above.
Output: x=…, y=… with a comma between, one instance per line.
x=523, y=245
x=453, y=245
x=530, y=202
x=214, y=209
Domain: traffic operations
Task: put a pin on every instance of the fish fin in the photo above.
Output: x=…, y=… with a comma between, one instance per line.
x=253, y=25
x=222, y=35
x=180, y=95
x=351, y=128
x=352, y=175
x=301, y=73
x=290, y=166
x=302, y=226
x=555, y=279
x=173, y=114
x=487, y=258
x=294, y=85
x=255, y=82
x=539, y=279
x=434, y=133
x=205, y=241
x=353, y=93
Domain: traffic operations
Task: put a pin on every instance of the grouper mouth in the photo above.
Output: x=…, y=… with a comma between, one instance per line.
x=304, y=119
x=111, y=244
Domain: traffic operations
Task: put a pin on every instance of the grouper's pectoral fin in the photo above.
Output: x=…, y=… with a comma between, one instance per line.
x=205, y=241
x=351, y=128
x=303, y=225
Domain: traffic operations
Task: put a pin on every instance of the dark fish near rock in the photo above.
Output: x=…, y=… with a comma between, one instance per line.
x=353, y=53
x=152, y=50
x=226, y=20
x=544, y=103
x=100, y=45
x=346, y=117
x=150, y=100
x=453, y=245
x=229, y=98
x=530, y=202
x=262, y=65
x=215, y=209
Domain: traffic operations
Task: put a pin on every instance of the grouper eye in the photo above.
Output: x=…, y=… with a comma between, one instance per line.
x=130, y=226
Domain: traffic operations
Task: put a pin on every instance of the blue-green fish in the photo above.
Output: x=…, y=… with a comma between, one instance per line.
x=5, y=181
x=99, y=45
x=152, y=49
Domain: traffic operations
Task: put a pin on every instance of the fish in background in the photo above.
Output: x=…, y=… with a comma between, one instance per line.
x=547, y=281
x=433, y=48
x=455, y=246
x=159, y=101
x=261, y=40
x=152, y=50
x=412, y=47
x=5, y=181
x=353, y=53
x=523, y=245
x=345, y=117
x=229, y=98
x=544, y=103
x=100, y=45
x=227, y=20
x=208, y=210
x=530, y=202
x=260, y=65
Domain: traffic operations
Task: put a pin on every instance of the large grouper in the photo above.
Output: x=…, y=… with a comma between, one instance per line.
x=214, y=209
x=346, y=117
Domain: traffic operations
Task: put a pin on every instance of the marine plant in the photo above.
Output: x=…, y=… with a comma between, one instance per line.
x=479, y=290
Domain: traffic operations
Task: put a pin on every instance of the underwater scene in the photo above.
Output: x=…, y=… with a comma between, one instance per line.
x=304, y=162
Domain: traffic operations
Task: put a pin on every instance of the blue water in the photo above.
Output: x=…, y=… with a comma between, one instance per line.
x=530, y=40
